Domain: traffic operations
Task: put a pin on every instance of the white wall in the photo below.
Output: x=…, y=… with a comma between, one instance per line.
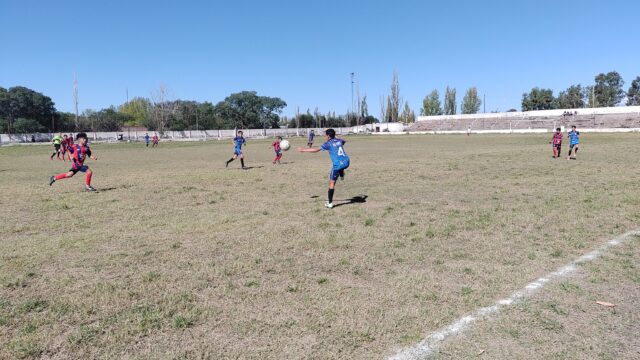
x=536, y=113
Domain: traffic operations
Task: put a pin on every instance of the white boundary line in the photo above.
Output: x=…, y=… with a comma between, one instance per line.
x=428, y=346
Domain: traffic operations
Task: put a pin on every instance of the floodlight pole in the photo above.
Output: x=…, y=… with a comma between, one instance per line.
x=352, y=82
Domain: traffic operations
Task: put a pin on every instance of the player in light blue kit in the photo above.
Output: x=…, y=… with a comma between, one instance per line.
x=574, y=142
x=339, y=158
x=238, y=141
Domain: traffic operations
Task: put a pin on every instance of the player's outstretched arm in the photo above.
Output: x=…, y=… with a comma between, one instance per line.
x=309, y=150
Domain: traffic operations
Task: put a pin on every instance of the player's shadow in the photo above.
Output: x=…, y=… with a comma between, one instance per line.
x=251, y=167
x=360, y=199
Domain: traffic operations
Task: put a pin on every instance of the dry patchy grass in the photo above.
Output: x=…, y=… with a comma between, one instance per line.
x=178, y=257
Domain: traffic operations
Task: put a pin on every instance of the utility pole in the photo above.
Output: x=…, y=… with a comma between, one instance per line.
x=358, y=107
x=352, y=82
x=75, y=97
x=484, y=103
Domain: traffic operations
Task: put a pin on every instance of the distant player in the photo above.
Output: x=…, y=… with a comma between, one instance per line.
x=155, y=140
x=277, y=149
x=312, y=134
x=339, y=158
x=79, y=153
x=56, y=141
x=556, y=143
x=238, y=142
x=147, y=139
x=64, y=146
x=574, y=142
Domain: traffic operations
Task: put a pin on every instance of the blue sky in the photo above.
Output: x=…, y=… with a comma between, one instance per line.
x=303, y=51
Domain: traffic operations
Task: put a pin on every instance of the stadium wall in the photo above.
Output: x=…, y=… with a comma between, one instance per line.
x=201, y=135
x=624, y=117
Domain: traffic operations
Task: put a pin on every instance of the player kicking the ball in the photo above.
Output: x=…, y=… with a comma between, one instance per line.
x=339, y=158
x=79, y=152
x=238, y=141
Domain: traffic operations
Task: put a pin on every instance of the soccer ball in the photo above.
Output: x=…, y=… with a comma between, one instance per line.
x=284, y=145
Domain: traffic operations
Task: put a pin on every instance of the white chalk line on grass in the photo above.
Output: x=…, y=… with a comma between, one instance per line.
x=428, y=346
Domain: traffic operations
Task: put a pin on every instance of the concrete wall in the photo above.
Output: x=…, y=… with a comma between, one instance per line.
x=598, y=118
x=193, y=135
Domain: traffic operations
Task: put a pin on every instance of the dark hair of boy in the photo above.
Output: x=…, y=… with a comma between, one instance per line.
x=573, y=127
x=558, y=129
x=330, y=133
x=81, y=136
x=279, y=137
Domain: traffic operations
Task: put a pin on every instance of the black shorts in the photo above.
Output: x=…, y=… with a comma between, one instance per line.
x=57, y=146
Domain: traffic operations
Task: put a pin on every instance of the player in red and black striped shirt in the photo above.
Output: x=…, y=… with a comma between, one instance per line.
x=277, y=149
x=78, y=153
x=556, y=142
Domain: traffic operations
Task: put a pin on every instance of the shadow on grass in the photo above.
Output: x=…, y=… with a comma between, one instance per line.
x=360, y=199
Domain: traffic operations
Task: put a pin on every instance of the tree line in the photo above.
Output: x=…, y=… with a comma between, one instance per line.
x=607, y=90
x=23, y=110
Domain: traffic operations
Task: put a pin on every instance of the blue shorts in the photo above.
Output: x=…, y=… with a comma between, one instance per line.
x=571, y=146
x=82, y=168
x=279, y=152
x=335, y=172
x=237, y=152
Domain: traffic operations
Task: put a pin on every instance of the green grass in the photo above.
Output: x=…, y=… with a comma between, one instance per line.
x=178, y=257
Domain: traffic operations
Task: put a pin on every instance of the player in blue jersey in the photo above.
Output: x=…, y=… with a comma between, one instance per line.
x=574, y=142
x=312, y=134
x=339, y=158
x=238, y=141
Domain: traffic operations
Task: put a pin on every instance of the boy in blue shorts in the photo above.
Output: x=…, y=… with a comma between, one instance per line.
x=238, y=141
x=339, y=158
x=574, y=142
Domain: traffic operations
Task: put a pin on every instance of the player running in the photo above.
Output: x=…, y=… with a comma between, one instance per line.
x=147, y=139
x=277, y=149
x=155, y=140
x=574, y=142
x=556, y=142
x=339, y=158
x=238, y=141
x=56, y=141
x=65, y=146
x=80, y=152
x=312, y=135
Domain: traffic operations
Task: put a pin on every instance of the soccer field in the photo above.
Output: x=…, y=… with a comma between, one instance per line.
x=178, y=257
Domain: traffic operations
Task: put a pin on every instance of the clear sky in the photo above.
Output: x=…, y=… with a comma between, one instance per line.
x=303, y=51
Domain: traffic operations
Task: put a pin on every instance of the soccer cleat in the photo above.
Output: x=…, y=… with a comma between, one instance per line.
x=328, y=205
x=52, y=180
x=342, y=175
x=89, y=188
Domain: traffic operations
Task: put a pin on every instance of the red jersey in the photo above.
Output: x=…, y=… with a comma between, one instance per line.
x=79, y=153
x=276, y=146
x=70, y=141
x=155, y=139
x=557, y=138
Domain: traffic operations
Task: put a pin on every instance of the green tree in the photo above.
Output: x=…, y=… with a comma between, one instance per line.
x=21, y=102
x=393, y=100
x=137, y=109
x=608, y=89
x=572, y=98
x=471, y=102
x=248, y=110
x=431, y=104
x=450, y=101
x=633, y=94
x=364, y=107
x=23, y=126
x=407, y=116
x=538, y=99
